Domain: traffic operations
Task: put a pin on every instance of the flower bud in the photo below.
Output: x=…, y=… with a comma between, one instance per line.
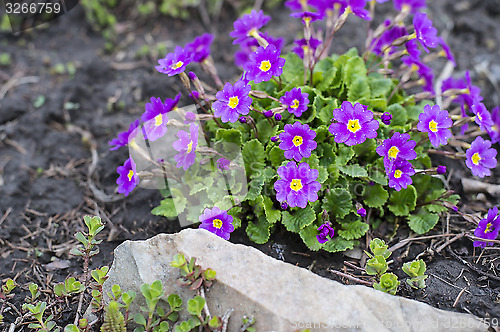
x=274, y=139
x=386, y=118
x=192, y=76
x=441, y=169
x=361, y=212
x=278, y=116
x=242, y=119
x=268, y=114
x=284, y=206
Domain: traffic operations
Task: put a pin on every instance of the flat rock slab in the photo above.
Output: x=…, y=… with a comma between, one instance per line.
x=281, y=297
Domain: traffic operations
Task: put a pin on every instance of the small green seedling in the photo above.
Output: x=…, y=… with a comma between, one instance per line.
x=388, y=283
x=415, y=270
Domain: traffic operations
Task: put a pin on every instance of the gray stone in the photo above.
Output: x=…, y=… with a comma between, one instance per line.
x=282, y=297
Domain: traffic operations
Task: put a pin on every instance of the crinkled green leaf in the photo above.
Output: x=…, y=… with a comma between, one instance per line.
x=354, y=171
x=276, y=156
x=380, y=86
x=258, y=232
x=229, y=135
x=297, y=220
x=235, y=212
x=308, y=235
x=375, y=196
x=358, y=89
x=355, y=68
x=338, y=244
x=399, y=116
x=255, y=187
x=344, y=154
x=338, y=203
x=171, y=207
x=353, y=230
x=423, y=221
x=402, y=202
x=266, y=130
x=253, y=156
x=293, y=68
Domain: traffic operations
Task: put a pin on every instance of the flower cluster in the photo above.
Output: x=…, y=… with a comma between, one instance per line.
x=309, y=127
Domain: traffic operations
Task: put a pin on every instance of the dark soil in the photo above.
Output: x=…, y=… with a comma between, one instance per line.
x=46, y=162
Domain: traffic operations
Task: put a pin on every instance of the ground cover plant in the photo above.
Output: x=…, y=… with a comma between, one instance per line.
x=321, y=137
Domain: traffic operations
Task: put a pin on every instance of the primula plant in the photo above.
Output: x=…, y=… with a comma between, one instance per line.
x=324, y=145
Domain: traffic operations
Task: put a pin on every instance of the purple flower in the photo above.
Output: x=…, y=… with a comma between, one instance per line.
x=395, y=147
x=436, y=123
x=361, y=212
x=409, y=6
x=488, y=228
x=483, y=117
x=297, y=141
x=190, y=117
x=386, y=118
x=232, y=101
x=217, y=221
x=126, y=137
x=171, y=104
x=302, y=46
x=247, y=25
x=264, y=63
x=155, y=119
x=200, y=47
x=384, y=42
x=174, y=63
x=299, y=5
x=357, y=7
x=223, y=164
x=324, y=231
x=297, y=184
x=481, y=157
x=186, y=145
x=446, y=52
x=412, y=48
x=307, y=17
x=250, y=45
x=355, y=124
x=441, y=169
x=400, y=174
x=425, y=33
x=128, y=178
x=494, y=131
x=296, y=101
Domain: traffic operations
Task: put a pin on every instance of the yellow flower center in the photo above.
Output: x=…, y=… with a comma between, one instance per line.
x=413, y=67
x=297, y=141
x=190, y=147
x=130, y=175
x=217, y=223
x=479, y=117
x=296, y=184
x=353, y=125
x=265, y=65
x=393, y=152
x=495, y=128
x=253, y=32
x=397, y=174
x=233, y=102
x=476, y=158
x=488, y=228
x=433, y=126
x=177, y=65
x=295, y=104
x=158, y=120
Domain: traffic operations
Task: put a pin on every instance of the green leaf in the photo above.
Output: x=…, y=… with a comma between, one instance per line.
x=293, y=68
x=402, y=202
x=253, y=156
x=229, y=135
x=171, y=208
x=358, y=89
x=139, y=319
x=355, y=68
x=375, y=196
x=338, y=244
x=299, y=219
x=399, y=116
x=202, y=184
x=273, y=215
x=255, y=187
x=174, y=301
x=338, y=203
x=344, y=154
x=323, y=174
x=259, y=233
x=195, y=306
x=378, y=177
x=423, y=221
x=354, y=230
x=276, y=156
x=324, y=74
x=354, y=171
x=380, y=86
x=308, y=235
x=266, y=130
